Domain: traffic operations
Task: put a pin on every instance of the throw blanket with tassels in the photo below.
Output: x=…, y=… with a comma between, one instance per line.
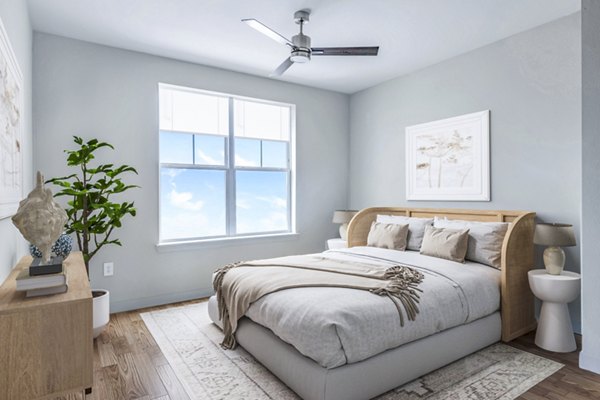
x=240, y=284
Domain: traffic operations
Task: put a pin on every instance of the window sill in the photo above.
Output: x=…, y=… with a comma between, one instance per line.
x=186, y=245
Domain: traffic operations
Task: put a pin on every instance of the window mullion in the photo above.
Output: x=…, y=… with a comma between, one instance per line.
x=230, y=191
x=193, y=149
x=289, y=199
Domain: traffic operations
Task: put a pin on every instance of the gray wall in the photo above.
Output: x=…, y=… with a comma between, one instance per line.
x=590, y=214
x=97, y=91
x=531, y=82
x=15, y=18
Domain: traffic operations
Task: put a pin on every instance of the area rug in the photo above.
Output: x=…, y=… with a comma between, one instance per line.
x=190, y=342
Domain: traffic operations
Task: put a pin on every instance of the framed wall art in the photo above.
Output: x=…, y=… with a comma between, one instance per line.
x=11, y=128
x=449, y=159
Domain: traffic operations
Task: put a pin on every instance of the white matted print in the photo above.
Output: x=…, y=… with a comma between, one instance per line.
x=11, y=127
x=449, y=159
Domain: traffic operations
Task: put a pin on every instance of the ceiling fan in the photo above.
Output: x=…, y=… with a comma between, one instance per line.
x=301, y=51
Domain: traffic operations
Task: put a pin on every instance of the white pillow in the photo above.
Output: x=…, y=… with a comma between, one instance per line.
x=416, y=228
x=485, y=239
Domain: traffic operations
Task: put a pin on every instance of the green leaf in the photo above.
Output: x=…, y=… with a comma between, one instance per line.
x=91, y=214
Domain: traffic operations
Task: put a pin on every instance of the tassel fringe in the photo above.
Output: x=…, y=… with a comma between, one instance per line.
x=402, y=290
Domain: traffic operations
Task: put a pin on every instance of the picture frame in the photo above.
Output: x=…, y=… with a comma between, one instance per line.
x=449, y=159
x=11, y=128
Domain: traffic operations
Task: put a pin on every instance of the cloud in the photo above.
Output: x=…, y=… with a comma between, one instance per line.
x=243, y=203
x=187, y=225
x=184, y=216
x=181, y=200
x=279, y=202
x=171, y=173
x=275, y=221
x=273, y=201
x=242, y=162
x=206, y=159
x=248, y=201
x=184, y=200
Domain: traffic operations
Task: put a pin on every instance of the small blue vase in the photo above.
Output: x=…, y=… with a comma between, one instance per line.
x=62, y=247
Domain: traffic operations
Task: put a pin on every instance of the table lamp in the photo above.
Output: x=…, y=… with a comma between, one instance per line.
x=554, y=236
x=343, y=217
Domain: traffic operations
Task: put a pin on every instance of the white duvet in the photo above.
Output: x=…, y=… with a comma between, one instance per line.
x=337, y=326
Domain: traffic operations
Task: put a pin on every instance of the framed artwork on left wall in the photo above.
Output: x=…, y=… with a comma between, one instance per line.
x=11, y=128
x=449, y=159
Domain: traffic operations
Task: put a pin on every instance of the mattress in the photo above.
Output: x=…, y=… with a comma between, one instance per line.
x=338, y=326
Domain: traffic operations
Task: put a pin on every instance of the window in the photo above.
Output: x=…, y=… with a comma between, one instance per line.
x=225, y=165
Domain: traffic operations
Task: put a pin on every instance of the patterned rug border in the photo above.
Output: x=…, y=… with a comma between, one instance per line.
x=185, y=374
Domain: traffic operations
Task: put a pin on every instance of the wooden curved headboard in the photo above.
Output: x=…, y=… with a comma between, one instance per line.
x=517, y=255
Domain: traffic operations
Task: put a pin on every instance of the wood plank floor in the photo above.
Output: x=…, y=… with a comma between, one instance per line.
x=128, y=364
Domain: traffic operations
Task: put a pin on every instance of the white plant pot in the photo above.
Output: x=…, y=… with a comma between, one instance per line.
x=101, y=310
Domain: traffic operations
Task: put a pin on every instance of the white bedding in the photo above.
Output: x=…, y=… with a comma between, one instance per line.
x=337, y=326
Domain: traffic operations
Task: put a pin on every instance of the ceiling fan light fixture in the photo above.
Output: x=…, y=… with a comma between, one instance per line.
x=300, y=56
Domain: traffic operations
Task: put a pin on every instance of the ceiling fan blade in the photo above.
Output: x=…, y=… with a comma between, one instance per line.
x=282, y=67
x=265, y=30
x=345, y=51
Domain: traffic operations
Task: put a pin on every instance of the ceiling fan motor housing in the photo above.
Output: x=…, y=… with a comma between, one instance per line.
x=301, y=50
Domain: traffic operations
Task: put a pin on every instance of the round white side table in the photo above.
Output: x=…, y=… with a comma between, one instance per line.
x=554, y=331
x=337, y=243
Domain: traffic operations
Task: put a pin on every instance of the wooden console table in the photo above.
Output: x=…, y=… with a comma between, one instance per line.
x=46, y=343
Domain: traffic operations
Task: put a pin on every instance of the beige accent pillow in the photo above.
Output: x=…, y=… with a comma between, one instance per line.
x=416, y=228
x=388, y=236
x=450, y=244
x=485, y=239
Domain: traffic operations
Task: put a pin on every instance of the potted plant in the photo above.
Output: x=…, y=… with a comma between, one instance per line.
x=92, y=215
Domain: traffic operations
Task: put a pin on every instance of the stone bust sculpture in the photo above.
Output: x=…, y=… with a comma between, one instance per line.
x=40, y=219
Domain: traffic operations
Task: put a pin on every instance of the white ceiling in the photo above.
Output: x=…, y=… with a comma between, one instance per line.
x=411, y=33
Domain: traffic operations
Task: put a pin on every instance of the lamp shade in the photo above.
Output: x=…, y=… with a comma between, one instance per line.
x=561, y=235
x=343, y=216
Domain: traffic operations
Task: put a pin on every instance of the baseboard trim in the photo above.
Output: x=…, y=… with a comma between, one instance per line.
x=151, y=301
x=589, y=362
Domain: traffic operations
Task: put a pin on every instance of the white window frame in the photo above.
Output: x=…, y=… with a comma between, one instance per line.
x=230, y=169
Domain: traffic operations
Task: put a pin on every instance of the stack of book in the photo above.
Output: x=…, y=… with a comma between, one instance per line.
x=41, y=285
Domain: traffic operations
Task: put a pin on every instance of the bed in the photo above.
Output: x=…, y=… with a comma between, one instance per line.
x=359, y=351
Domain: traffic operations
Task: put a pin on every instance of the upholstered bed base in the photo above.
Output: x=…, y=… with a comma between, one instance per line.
x=368, y=378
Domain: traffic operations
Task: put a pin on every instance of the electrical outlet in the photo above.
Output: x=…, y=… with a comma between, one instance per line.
x=109, y=269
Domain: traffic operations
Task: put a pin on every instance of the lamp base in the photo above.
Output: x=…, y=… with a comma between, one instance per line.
x=554, y=260
x=344, y=231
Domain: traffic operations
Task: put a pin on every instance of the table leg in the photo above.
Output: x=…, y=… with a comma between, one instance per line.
x=554, y=331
